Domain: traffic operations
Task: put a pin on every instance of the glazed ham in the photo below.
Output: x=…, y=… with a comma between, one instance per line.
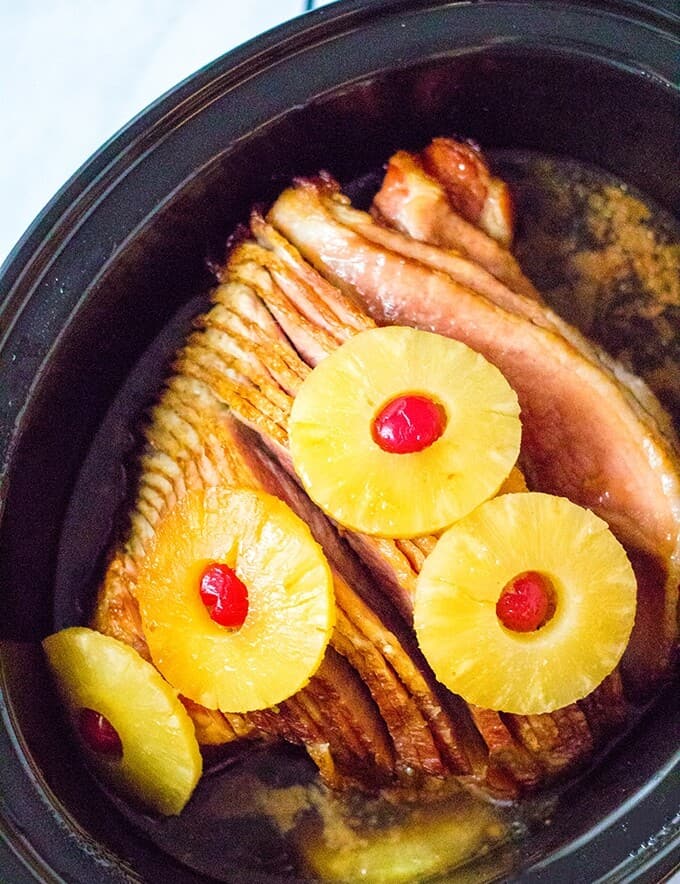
x=472, y=191
x=527, y=748
x=586, y=434
x=386, y=724
x=310, y=276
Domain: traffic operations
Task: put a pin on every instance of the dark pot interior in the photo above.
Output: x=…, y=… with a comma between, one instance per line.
x=120, y=257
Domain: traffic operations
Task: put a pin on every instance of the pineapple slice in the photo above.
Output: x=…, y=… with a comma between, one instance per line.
x=428, y=843
x=138, y=734
x=401, y=432
x=261, y=658
x=575, y=642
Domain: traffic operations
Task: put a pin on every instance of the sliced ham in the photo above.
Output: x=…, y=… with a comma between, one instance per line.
x=471, y=189
x=526, y=753
x=522, y=299
x=584, y=434
x=417, y=204
x=371, y=715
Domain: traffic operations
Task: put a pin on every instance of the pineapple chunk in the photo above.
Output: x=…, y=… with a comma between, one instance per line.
x=364, y=487
x=291, y=605
x=160, y=762
x=526, y=673
x=430, y=842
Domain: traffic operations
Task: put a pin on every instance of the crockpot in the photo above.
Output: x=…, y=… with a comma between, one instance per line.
x=116, y=263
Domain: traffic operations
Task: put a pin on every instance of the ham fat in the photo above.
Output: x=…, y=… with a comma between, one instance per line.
x=432, y=254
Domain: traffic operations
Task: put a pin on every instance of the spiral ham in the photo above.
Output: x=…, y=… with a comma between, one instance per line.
x=312, y=274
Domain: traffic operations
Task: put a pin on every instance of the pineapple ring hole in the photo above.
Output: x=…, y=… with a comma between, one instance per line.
x=408, y=423
x=527, y=602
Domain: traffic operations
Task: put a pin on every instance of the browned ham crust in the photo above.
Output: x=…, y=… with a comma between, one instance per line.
x=417, y=204
x=471, y=189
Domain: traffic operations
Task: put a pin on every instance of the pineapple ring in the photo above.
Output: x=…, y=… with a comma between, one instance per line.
x=291, y=605
x=368, y=489
x=525, y=673
x=161, y=762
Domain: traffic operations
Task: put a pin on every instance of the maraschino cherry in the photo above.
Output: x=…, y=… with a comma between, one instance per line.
x=408, y=424
x=224, y=595
x=99, y=734
x=524, y=604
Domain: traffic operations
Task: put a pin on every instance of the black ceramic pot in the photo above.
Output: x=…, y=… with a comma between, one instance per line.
x=121, y=250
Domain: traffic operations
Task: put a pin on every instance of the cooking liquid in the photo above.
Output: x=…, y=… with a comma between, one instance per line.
x=606, y=259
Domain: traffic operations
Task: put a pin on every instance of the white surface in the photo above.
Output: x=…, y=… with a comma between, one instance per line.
x=72, y=72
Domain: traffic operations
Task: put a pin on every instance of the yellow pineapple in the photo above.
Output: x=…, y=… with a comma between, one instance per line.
x=136, y=731
x=401, y=432
x=526, y=605
x=236, y=600
x=425, y=843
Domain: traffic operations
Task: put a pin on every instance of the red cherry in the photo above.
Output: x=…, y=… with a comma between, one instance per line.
x=224, y=595
x=525, y=602
x=99, y=734
x=408, y=424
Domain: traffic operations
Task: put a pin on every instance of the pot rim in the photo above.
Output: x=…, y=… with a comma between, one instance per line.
x=50, y=232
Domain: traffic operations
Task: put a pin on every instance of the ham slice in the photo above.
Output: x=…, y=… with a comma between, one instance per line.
x=416, y=203
x=585, y=433
x=430, y=249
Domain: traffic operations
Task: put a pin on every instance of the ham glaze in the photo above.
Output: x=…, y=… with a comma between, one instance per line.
x=432, y=255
